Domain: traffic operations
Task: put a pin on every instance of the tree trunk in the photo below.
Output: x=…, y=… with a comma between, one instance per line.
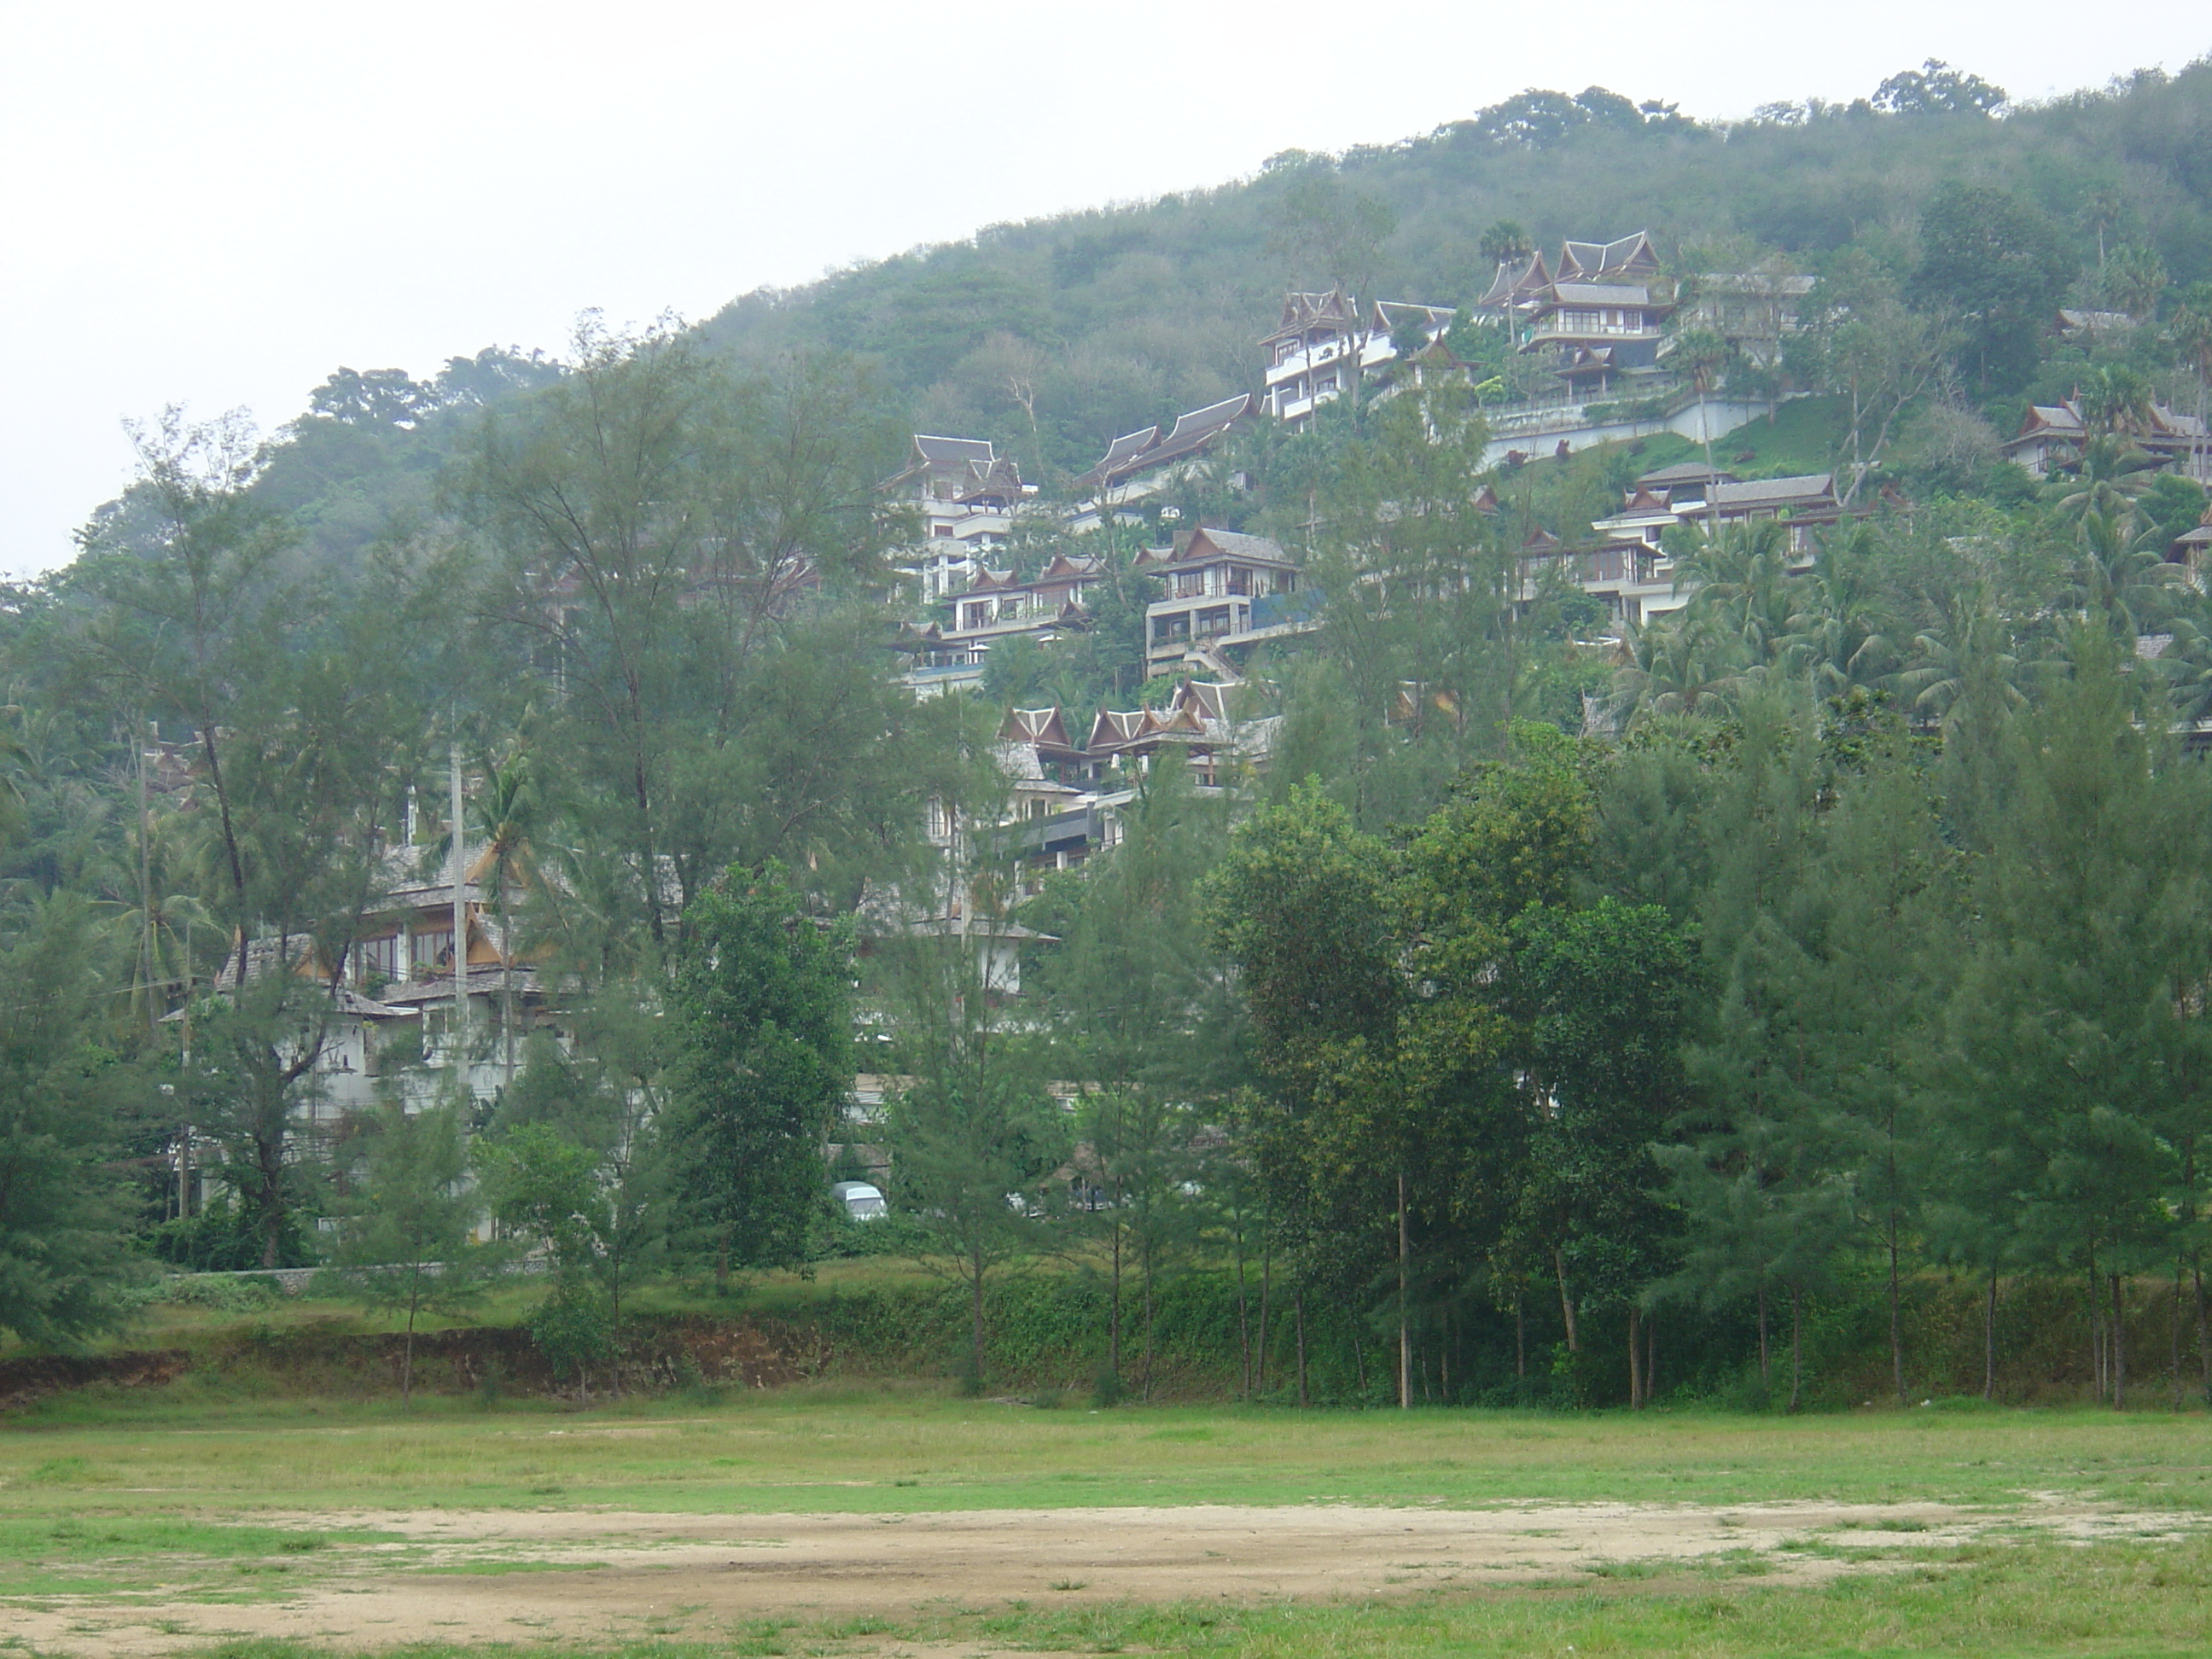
x=1267, y=1295
x=1635, y=1358
x=1145, y=1266
x=2096, y=1331
x=1566, y=1302
x=1796, y=1346
x=1521, y=1333
x=1989, y=1341
x=614, y=1326
x=1896, y=1316
x=975, y=1313
x=506, y=980
x=1405, y=1335
x=1114, y=1300
x=1298, y=1314
x=1243, y=1318
x=1762, y=1335
x=272, y=1206
x=2119, y=1350
x=2173, y=1336
x=1651, y=1358
x=407, y=1349
x=2204, y=1345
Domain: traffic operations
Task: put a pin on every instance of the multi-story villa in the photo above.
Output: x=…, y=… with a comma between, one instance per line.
x=2052, y=435
x=1635, y=574
x=996, y=606
x=1142, y=463
x=1324, y=339
x=966, y=496
x=1214, y=584
x=1598, y=316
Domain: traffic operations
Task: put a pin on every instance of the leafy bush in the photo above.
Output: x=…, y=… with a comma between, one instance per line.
x=574, y=1329
x=219, y=1292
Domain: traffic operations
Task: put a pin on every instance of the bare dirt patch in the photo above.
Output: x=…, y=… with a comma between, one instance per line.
x=601, y=1575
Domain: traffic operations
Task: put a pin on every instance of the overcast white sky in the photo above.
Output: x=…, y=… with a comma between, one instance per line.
x=217, y=202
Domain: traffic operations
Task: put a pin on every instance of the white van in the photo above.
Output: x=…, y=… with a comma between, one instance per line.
x=860, y=1201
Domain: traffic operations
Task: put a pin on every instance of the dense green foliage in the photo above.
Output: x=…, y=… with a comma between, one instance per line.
x=766, y=1061
x=1545, y=978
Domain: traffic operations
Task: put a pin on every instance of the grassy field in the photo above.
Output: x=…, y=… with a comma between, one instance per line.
x=187, y=1508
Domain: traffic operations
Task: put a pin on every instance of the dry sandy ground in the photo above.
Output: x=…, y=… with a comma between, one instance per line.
x=504, y=1575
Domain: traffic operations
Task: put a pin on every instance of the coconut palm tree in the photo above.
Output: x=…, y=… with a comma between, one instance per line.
x=2113, y=469
x=1702, y=356
x=1744, y=587
x=1840, y=633
x=2120, y=575
x=1972, y=652
x=160, y=918
x=2187, y=665
x=1681, y=665
x=507, y=810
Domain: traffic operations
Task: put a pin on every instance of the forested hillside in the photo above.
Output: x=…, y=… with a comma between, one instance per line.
x=1051, y=337
x=1536, y=970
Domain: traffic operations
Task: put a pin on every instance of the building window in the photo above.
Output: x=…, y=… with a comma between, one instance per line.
x=430, y=951
x=378, y=958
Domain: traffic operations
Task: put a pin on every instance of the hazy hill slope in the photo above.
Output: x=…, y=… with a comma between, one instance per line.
x=1107, y=319
x=1052, y=336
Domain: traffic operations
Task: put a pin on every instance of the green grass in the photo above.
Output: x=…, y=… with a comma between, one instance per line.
x=1804, y=436
x=186, y=1494
x=860, y=1448
x=2029, y=1602
x=179, y=1325
x=97, y=1549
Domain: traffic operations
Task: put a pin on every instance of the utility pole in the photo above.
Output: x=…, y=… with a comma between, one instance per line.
x=459, y=837
x=146, y=887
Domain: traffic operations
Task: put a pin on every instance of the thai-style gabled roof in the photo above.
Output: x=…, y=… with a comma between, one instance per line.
x=1145, y=450
x=1629, y=256
x=1194, y=431
x=1585, y=360
x=1118, y=459
x=1116, y=728
x=973, y=469
x=1643, y=499
x=1038, y=727
x=1599, y=294
x=1486, y=500
x=1686, y=472
x=1305, y=312
x=936, y=450
x=1206, y=700
x=1122, y=729
x=480, y=980
x=1515, y=278
x=1207, y=543
x=1540, y=541
x=2065, y=421
x=999, y=480
x=1390, y=313
x=1803, y=490
x=1062, y=568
